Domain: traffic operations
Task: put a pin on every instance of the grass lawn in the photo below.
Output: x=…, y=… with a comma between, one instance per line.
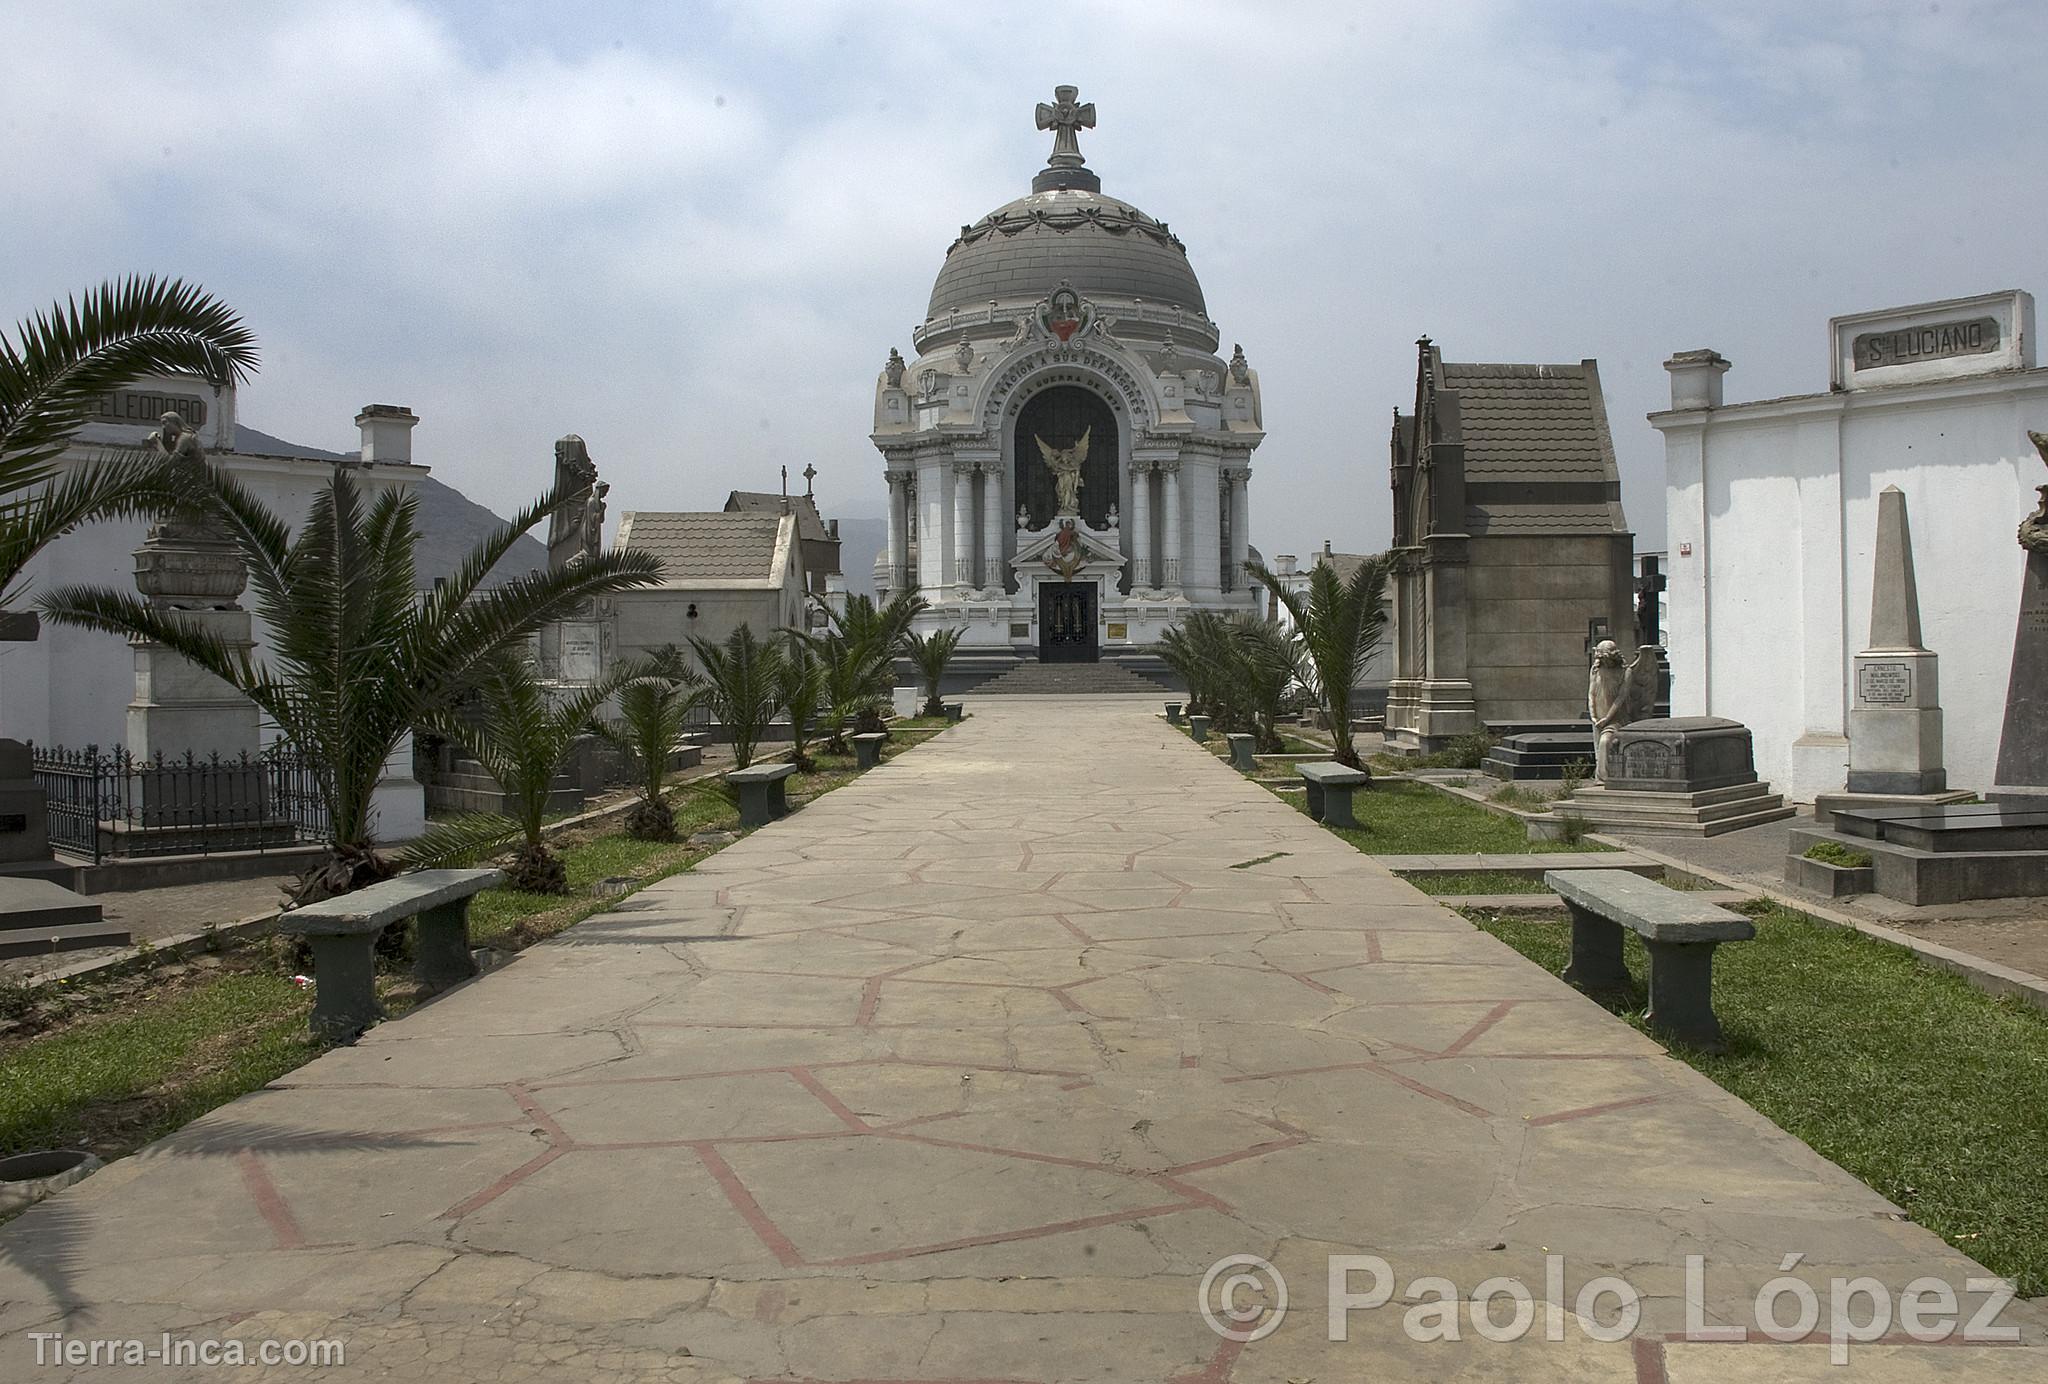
x=1931, y=1091
x=1478, y=882
x=1415, y=819
x=112, y=1063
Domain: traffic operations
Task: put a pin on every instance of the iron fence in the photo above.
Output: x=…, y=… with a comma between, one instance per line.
x=104, y=804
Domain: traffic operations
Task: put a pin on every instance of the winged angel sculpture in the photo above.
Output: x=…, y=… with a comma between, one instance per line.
x=1065, y=465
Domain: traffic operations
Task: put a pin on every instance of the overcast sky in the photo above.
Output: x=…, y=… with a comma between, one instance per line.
x=692, y=233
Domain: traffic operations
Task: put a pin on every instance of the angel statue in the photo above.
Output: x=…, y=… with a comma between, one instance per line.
x=1617, y=693
x=1065, y=465
x=2034, y=528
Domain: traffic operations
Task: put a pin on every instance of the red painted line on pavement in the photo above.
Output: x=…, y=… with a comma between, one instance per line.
x=1478, y=1030
x=749, y=1210
x=831, y=1102
x=1217, y=1371
x=1587, y=1111
x=1035, y=1232
x=269, y=1201
x=1649, y=1359
x=502, y=1185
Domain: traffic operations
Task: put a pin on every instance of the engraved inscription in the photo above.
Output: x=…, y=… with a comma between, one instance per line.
x=1935, y=341
x=1884, y=684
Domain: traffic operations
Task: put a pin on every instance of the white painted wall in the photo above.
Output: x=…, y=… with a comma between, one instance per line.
x=1778, y=500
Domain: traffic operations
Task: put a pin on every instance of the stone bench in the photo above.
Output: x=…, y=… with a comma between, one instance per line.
x=1198, y=727
x=343, y=935
x=1679, y=932
x=867, y=749
x=1330, y=786
x=1173, y=713
x=760, y=789
x=1241, y=751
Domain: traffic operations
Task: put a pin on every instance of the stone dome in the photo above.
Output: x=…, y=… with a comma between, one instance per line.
x=1103, y=247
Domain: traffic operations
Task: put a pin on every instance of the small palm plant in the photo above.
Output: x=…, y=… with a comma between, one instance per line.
x=1267, y=656
x=931, y=653
x=521, y=738
x=742, y=678
x=57, y=368
x=355, y=658
x=654, y=711
x=800, y=687
x=858, y=648
x=1340, y=624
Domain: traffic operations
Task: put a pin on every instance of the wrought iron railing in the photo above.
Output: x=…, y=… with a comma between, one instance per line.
x=104, y=804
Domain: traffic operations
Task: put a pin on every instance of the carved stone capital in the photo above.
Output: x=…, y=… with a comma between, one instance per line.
x=1168, y=466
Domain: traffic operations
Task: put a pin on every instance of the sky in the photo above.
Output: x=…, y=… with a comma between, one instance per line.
x=691, y=232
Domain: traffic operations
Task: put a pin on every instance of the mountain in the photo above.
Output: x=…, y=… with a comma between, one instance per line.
x=860, y=542
x=450, y=523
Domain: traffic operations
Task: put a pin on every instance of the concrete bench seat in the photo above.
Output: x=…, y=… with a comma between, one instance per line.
x=343, y=935
x=1198, y=727
x=761, y=793
x=1241, y=750
x=1679, y=931
x=867, y=749
x=1330, y=786
x=1173, y=713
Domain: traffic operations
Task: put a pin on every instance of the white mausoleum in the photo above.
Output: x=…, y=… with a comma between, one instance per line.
x=1067, y=334
x=1771, y=512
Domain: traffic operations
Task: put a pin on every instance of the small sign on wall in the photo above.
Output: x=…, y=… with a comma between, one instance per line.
x=1934, y=341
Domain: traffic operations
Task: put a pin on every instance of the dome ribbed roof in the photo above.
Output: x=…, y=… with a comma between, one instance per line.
x=1103, y=247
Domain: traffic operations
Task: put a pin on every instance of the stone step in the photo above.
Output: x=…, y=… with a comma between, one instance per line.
x=1034, y=677
x=41, y=941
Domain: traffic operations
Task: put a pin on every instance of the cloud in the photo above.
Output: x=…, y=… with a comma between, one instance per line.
x=692, y=235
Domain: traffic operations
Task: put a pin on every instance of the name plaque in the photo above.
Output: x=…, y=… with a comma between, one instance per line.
x=1976, y=336
x=146, y=406
x=1884, y=684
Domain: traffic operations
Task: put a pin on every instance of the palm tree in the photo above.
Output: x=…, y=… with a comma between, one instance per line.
x=355, y=659
x=931, y=653
x=741, y=678
x=654, y=711
x=800, y=688
x=1267, y=659
x=1339, y=624
x=56, y=369
x=521, y=738
x=858, y=648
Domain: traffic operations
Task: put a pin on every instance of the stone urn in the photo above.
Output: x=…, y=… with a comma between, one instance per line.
x=26, y=1178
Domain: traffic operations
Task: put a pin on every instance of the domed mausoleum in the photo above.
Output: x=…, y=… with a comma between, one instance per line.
x=1068, y=454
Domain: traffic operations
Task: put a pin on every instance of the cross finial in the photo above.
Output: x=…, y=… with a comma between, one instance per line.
x=785, y=482
x=810, y=474
x=1066, y=117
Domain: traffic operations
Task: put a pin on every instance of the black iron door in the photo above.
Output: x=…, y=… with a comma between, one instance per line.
x=1066, y=622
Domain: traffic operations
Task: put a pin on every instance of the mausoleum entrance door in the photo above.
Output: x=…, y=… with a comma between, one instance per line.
x=1066, y=622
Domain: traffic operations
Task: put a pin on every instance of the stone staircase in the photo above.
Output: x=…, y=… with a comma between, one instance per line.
x=1070, y=679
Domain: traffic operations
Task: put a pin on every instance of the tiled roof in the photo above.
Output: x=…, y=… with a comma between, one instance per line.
x=810, y=526
x=712, y=550
x=1544, y=519
x=1532, y=422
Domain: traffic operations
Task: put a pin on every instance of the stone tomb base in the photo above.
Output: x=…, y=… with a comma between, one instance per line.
x=38, y=917
x=1685, y=776
x=1540, y=751
x=1946, y=854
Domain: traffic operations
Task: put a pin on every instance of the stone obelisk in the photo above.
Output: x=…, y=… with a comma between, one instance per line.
x=2022, y=777
x=1895, y=714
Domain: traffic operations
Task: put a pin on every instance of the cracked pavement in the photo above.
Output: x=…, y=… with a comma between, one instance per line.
x=968, y=1072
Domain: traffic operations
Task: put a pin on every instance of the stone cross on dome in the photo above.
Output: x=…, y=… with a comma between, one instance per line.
x=1066, y=117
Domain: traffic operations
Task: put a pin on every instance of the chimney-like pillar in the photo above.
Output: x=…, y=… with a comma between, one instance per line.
x=387, y=432
x=1696, y=379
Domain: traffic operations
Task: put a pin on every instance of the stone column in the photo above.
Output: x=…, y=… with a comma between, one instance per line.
x=1170, y=498
x=962, y=546
x=1240, y=522
x=992, y=516
x=899, y=531
x=931, y=527
x=1143, y=578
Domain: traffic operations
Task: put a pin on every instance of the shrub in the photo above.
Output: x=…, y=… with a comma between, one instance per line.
x=1835, y=853
x=1468, y=751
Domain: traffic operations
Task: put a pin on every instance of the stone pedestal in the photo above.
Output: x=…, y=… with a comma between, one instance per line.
x=1682, y=776
x=24, y=822
x=181, y=708
x=572, y=651
x=2022, y=778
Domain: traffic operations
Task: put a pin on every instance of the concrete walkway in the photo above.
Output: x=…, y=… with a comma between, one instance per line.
x=969, y=1072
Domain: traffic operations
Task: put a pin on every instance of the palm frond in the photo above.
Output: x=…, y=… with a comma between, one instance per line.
x=461, y=841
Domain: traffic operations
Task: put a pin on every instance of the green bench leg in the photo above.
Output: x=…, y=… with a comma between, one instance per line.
x=1337, y=808
x=864, y=752
x=1316, y=799
x=440, y=946
x=344, y=984
x=755, y=808
x=1241, y=756
x=1682, y=993
x=1596, y=965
